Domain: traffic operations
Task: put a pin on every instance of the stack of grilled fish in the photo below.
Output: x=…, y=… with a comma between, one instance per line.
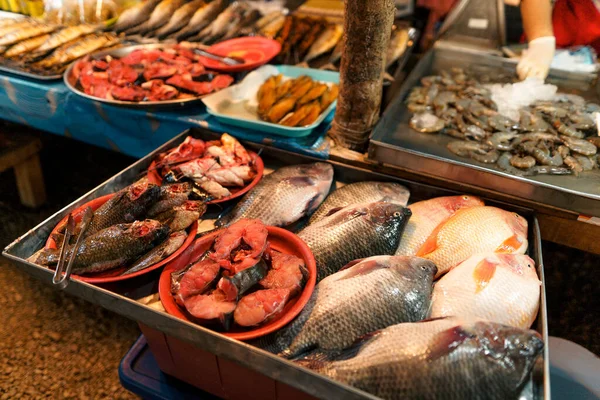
x=46, y=49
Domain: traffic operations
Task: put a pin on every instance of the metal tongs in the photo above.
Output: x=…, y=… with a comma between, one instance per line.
x=57, y=279
x=231, y=61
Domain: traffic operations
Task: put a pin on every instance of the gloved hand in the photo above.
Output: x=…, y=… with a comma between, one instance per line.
x=536, y=60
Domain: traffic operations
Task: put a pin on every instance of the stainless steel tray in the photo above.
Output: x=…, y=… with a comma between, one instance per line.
x=121, y=297
x=394, y=142
x=14, y=69
x=119, y=52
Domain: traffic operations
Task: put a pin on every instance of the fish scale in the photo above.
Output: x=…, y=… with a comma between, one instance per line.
x=426, y=216
x=439, y=359
x=354, y=232
x=502, y=288
x=362, y=192
x=373, y=294
x=285, y=196
x=474, y=230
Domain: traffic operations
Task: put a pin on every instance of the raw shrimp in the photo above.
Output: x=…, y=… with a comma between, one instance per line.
x=501, y=123
x=501, y=140
x=522, y=162
x=566, y=129
x=542, y=155
x=475, y=132
x=426, y=122
x=572, y=163
x=464, y=148
x=489, y=158
x=587, y=163
x=579, y=145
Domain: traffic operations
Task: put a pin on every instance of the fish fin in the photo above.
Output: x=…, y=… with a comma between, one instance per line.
x=332, y=211
x=366, y=267
x=446, y=341
x=351, y=264
x=483, y=273
x=430, y=244
x=388, y=77
x=301, y=181
x=510, y=245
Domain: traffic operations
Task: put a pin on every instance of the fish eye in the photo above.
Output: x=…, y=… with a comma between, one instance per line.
x=397, y=214
x=465, y=197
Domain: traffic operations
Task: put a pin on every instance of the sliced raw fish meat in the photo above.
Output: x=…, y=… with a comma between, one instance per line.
x=159, y=70
x=222, y=81
x=197, y=280
x=234, y=286
x=211, y=308
x=287, y=272
x=196, y=169
x=260, y=306
x=224, y=177
x=251, y=231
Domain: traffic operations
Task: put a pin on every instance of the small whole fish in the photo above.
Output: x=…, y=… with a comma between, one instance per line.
x=325, y=42
x=202, y=18
x=335, y=56
x=159, y=253
x=285, y=196
x=125, y=206
x=180, y=18
x=272, y=28
x=135, y=15
x=10, y=21
x=261, y=23
x=26, y=33
x=14, y=27
x=78, y=48
x=354, y=232
x=26, y=46
x=474, y=230
x=443, y=358
x=109, y=248
x=373, y=294
x=65, y=35
x=362, y=192
x=246, y=21
x=397, y=46
x=502, y=288
x=426, y=216
x=182, y=216
x=224, y=22
x=159, y=17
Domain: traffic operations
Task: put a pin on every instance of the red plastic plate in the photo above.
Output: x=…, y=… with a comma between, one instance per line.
x=114, y=275
x=281, y=240
x=259, y=166
x=254, y=50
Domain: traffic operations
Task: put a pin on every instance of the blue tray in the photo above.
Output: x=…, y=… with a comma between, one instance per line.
x=139, y=373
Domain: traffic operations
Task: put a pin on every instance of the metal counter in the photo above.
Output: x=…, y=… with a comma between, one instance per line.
x=393, y=142
x=120, y=297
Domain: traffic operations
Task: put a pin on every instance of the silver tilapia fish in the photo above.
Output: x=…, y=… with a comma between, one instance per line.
x=285, y=196
x=159, y=253
x=373, y=294
x=159, y=17
x=180, y=18
x=354, y=232
x=362, y=192
x=135, y=15
x=446, y=358
x=201, y=18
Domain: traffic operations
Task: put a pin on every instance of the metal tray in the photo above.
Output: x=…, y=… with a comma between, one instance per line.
x=394, y=142
x=15, y=69
x=119, y=52
x=121, y=297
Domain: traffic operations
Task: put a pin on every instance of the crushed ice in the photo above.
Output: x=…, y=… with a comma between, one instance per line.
x=510, y=98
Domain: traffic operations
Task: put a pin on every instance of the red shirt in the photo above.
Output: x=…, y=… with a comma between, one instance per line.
x=575, y=23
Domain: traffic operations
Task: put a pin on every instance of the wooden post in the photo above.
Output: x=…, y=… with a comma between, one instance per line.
x=367, y=27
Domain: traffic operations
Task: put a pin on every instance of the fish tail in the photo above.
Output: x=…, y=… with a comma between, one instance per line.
x=44, y=257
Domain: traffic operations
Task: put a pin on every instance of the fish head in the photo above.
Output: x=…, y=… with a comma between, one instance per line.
x=177, y=188
x=519, y=264
x=464, y=201
x=143, y=191
x=319, y=171
x=149, y=230
x=387, y=214
x=424, y=269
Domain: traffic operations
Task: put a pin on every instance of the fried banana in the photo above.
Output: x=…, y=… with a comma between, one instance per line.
x=312, y=115
x=280, y=109
x=313, y=94
x=329, y=96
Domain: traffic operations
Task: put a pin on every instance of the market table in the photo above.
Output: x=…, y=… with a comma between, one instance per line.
x=52, y=107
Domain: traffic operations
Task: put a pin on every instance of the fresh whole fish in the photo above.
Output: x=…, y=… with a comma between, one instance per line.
x=181, y=17
x=219, y=24
x=78, y=48
x=135, y=15
x=26, y=33
x=444, y=358
x=426, y=216
x=109, y=248
x=182, y=216
x=285, y=196
x=354, y=232
x=159, y=253
x=26, y=46
x=159, y=17
x=325, y=42
x=362, y=192
x=373, y=294
x=261, y=23
x=202, y=18
x=125, y=206
x=246, y=21
x=502, y=288
x=170, y=196
x=397, y=46
x=474, y=230
x=65, y=35
x=272, y=28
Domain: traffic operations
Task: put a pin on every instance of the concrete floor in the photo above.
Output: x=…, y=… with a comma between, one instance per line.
x=57, y=346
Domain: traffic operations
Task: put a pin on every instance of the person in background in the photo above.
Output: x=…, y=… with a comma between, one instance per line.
x=537, y=25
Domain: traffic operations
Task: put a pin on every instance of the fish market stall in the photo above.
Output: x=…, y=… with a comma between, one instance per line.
x=210, y=358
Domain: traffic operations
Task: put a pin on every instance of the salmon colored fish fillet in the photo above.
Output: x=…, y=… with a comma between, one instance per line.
x=474, y=230
x=501, y=288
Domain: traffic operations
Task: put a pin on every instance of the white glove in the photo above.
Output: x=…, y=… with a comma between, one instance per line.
x=536, y=60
